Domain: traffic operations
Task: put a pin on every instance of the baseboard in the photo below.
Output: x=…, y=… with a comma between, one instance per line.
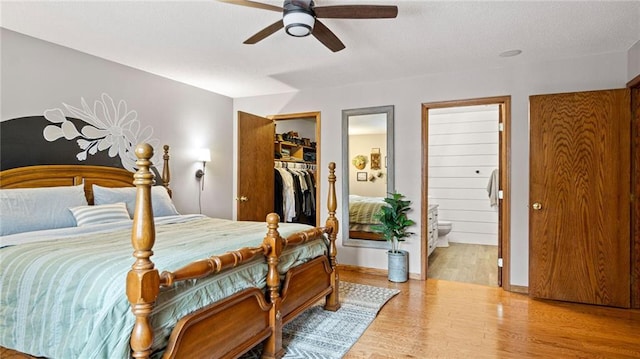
x=364, y=270
x=372, y=271
x=480, y=242
x=473, y=238
x=522, y=289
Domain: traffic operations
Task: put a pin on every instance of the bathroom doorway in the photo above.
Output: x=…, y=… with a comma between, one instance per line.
x=465, y=178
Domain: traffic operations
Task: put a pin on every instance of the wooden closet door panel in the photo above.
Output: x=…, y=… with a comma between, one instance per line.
x=635, y=183
x=255, y=167
x=579, y=240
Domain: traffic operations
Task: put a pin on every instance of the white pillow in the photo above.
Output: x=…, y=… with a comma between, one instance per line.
x=160, y=201
x=33, y=209
x=106, y=213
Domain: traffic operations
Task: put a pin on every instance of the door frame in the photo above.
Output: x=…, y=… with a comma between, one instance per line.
x=504, y=168
x=634, y=85
x=316, y=116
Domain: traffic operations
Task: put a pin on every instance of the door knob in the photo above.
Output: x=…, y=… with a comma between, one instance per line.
x=242, y=199
x=537, y=206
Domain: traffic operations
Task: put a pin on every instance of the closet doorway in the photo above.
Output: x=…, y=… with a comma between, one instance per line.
x=470, y=183
x=303, y=151
x=257, y=142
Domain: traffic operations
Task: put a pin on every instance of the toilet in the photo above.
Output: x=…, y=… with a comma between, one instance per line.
x=444, y=227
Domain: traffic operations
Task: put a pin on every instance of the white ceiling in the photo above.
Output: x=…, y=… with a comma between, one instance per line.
x=200, y=42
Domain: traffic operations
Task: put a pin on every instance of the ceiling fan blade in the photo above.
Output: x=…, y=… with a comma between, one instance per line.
x=356, y=11
x=260, y=35
x=326, y=37
x=253, y=4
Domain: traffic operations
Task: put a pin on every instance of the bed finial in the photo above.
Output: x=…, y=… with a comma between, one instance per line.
x=144, y=151
x=143, y=280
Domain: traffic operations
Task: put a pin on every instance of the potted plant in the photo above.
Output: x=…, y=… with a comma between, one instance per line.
x=394, y=225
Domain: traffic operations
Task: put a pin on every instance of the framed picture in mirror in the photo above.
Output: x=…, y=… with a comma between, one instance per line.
x=375, y=158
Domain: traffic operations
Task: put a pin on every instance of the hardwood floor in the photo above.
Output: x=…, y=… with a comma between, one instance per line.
x=443, y=319
x=468, y=263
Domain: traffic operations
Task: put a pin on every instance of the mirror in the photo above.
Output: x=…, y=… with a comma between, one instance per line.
x=367, y=168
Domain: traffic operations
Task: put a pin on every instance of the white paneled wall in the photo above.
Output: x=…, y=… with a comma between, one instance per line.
x=463, y=152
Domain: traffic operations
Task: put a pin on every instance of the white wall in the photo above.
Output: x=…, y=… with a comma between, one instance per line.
x=38, y=75
x=517, y=79
x=306, y=128
x=463, y=153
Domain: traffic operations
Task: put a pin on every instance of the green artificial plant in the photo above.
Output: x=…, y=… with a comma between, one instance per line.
x=394, y=221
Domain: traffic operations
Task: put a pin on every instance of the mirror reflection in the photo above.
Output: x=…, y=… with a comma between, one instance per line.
x=367, y=157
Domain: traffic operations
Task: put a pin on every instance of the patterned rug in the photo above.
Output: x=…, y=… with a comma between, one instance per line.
x=321, y=334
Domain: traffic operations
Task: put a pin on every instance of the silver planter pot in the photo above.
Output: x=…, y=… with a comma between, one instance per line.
x=398, y=266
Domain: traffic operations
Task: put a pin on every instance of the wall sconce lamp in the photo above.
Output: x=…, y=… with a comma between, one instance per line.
x=204, y=156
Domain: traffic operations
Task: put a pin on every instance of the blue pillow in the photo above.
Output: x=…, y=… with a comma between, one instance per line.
x=160, y=200
x=106, y=213
x=33, y=209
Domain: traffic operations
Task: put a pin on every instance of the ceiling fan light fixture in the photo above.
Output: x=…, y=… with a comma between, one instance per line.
x=298, y=23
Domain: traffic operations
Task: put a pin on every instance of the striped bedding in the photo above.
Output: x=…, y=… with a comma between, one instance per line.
x=362, y=210
x=65, y=298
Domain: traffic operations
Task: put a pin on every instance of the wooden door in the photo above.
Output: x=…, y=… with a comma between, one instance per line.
x=255, y=167
x=579, y=240
x=635, y=189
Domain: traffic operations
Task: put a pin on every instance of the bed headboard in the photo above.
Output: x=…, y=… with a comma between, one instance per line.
x=66, y=175
x=71, y=175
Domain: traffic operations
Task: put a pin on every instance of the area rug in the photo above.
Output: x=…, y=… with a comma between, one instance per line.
x=321, y=334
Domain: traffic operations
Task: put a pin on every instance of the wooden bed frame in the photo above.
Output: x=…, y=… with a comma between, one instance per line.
x=229, y=327
x=73, y=175
x=374, y=236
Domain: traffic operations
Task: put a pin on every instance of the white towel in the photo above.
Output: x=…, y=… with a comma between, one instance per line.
x=492, y=188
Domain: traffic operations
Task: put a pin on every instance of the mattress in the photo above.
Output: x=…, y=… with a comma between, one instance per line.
x=63, y=294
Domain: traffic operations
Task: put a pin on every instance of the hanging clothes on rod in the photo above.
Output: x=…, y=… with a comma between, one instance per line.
x=294, y=191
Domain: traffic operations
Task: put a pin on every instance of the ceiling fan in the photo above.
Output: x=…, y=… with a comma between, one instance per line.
x=300, y=18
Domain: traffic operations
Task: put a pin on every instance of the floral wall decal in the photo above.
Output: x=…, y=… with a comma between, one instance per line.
x=108, y=127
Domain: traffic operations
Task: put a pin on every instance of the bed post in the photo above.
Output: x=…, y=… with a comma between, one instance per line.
x=143, y=281
x=333, y=300
x=273, y=345
x=166, y=172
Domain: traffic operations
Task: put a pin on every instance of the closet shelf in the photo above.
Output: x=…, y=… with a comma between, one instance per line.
x=291, y=144
x=292, y=152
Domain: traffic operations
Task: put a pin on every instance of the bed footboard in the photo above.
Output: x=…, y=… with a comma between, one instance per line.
x=305, y=285
x=232, y=326
x=249, y=308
